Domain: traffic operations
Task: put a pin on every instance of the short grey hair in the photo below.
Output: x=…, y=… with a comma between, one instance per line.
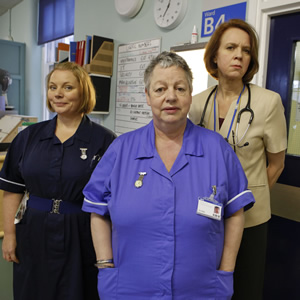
x=166, y=60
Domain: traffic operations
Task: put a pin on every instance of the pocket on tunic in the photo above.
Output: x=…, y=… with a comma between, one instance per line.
x=23, y=250
x=107, y=283
x=224, y=289
x=256, y=185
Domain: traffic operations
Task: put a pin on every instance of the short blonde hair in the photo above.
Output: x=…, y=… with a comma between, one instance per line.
x=213, y=46
x=87, y=90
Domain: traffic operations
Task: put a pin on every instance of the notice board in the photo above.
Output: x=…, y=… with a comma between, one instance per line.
x=132, y=111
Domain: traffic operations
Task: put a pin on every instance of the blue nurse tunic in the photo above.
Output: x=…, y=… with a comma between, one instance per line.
x=162, y=248
x=55, y=250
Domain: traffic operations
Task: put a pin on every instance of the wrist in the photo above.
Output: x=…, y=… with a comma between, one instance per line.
x=104, y=263
x=226, y=269
x=10, y=234
x=104, y=266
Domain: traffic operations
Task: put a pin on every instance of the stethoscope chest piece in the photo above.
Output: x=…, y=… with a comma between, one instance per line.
x=247, y=109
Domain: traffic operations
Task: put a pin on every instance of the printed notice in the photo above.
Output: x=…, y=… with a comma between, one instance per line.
x=132, y=111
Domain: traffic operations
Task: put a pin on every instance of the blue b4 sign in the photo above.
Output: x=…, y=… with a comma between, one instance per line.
x=212, y=18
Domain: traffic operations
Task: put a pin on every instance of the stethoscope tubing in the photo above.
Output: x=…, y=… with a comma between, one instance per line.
x=247, y=108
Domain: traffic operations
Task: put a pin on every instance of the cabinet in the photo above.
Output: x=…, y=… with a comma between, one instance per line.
x=102, y=88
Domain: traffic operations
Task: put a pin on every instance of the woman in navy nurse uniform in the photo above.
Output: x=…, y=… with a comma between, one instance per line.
x=155, y=229
x=51, y=247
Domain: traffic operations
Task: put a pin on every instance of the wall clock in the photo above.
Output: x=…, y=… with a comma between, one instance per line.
x=128, y=8
x=169, y=13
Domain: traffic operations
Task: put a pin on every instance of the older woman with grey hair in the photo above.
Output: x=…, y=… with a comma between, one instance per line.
x=156, y=231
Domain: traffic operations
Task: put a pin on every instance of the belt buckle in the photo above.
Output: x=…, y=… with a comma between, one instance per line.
x=55, y=206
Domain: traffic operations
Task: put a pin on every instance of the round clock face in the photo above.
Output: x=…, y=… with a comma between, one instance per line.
x=128, y=8
x=169, y=13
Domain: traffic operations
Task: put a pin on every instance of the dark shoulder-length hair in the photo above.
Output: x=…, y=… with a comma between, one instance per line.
x=213, y=45
x=87, y=90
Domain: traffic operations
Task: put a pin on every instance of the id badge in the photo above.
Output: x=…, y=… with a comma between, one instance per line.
x=209, y=209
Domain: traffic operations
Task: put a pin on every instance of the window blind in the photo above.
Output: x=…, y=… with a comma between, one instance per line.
x=56, y=20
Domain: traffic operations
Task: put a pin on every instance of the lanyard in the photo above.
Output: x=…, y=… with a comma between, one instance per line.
x=234, y=113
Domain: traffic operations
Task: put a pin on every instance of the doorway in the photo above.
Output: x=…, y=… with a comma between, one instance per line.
x=12, y=60
x=283, y=76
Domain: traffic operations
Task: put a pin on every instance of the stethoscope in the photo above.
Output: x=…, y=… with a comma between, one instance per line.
x=247, y=108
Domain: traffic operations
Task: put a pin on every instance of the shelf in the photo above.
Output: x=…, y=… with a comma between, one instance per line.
x=188, y=46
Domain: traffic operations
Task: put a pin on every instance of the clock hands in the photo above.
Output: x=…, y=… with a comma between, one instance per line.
x=169, y=13
x=167, y=8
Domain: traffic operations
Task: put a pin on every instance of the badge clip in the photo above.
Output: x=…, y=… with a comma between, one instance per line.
x=209, y=206
x=83, y=153
x=139, y=182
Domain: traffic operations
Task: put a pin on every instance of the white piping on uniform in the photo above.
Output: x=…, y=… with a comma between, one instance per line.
x=12, y=182
x=244, y=192
x=95, y=203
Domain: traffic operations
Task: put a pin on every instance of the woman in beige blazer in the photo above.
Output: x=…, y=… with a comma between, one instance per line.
x=231, y=57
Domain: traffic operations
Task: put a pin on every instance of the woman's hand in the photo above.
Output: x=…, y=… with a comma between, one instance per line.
x=11, y=202
x=9, y=245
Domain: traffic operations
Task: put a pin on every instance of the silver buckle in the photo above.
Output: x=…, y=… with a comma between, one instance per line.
x=55, y=206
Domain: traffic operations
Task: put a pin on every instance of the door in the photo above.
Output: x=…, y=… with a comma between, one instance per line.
x=283, y=77
x=12, y=59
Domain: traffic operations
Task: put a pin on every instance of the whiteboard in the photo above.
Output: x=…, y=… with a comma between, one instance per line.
x=132, y=111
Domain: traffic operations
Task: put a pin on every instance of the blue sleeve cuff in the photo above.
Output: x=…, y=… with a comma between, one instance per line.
x=95, y=207
x=243, y=200
x=10, y=186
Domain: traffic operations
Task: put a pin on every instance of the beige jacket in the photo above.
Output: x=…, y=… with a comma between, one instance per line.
x=266, y=133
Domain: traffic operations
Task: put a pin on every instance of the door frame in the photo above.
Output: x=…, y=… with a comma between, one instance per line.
x=280, y=193
x=14, y=62
x=259, y=15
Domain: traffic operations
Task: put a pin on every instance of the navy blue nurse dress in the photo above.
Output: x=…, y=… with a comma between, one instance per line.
x=55, y=250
